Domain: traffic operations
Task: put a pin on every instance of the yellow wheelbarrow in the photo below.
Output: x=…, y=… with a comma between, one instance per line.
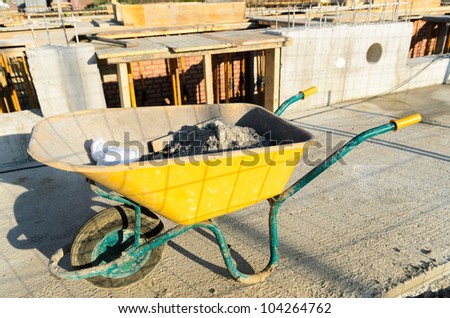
x=122, y=244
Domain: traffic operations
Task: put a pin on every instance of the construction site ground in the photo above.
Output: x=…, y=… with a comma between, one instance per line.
x=373, y=225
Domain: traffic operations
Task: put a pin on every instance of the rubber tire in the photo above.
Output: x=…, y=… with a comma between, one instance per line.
x=104, y=222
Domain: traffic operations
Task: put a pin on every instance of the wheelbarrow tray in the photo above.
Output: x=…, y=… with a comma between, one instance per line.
x=186, y=190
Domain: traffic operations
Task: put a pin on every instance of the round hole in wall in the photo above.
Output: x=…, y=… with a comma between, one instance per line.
x=374, y=52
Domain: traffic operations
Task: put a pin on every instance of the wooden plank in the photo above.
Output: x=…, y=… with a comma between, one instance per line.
x=124, y=88
x=272, y=83
x=207, y=73
x=125, y=58
x=416, y=283
x=100, y=23
x=139, y=47
x=131, y=85
x=437, y=19
x=246, y=37
x=172, y=30
x=227, y=76
x=168, y=14
x=189, y=43
x=133, y=14
x=160, y=143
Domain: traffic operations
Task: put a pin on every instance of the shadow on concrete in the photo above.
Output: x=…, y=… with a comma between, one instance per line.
x=309, y=262
x=377, y=141
x=53, y=207
x=241, y=264
x=424, y=118
x=447, y=73
x=13, y=152
x=57, y=203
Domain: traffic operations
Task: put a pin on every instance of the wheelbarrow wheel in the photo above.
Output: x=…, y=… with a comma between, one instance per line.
x=104, y=238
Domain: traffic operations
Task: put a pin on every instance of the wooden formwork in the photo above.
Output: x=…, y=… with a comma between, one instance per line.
x=416, y=5
x=16, y=88
x=180, y=14
x=217, y=73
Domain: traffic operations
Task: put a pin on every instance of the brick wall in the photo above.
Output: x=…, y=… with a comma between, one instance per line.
x=153, y=83
x=424, y=38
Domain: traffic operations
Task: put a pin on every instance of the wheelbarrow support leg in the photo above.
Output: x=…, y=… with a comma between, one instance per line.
x=214, y=228
x=248, y=279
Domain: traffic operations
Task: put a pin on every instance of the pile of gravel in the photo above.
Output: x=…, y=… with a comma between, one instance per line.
x=211, y=137
x=441, y=293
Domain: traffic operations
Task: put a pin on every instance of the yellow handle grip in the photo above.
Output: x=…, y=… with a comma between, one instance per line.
x=406, y=121
x=309, y=91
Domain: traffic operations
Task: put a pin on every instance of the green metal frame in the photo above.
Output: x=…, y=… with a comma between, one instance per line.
x=288, y=102
x=137, y=250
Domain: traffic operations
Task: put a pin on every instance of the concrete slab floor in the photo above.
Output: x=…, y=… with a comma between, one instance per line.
x=368, y=224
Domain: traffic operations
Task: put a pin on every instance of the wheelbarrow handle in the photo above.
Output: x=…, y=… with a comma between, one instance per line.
x=394, y=125
x=301, y=95
x=406, y=121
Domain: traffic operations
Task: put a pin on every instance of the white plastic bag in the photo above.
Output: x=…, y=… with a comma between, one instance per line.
x=106, y=155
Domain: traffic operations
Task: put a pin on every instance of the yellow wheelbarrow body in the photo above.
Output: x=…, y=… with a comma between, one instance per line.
x=186, y=190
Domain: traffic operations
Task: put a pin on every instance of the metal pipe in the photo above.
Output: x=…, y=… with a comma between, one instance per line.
x=46, y=28
x=65, y=32
x=320, y=13
x=369, y=12
x=307, y=19
x=289, y=18
x=276, y=18
x=410, y=11
x=293, y=16
x=382, y=16
x=107, y=40
x=337, y=15
x=32, y=32
x=75, y=28
x=301, y=95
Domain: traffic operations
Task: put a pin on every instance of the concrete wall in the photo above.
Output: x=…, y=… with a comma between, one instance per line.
x=335, y=59
x=66, y=78
x=15, y=129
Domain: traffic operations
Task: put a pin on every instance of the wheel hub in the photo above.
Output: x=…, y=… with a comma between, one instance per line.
x=112, y=247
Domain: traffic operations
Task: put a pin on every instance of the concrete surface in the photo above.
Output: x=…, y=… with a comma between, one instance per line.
x=15, y=129
x=345, y=69
x=360, y=229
